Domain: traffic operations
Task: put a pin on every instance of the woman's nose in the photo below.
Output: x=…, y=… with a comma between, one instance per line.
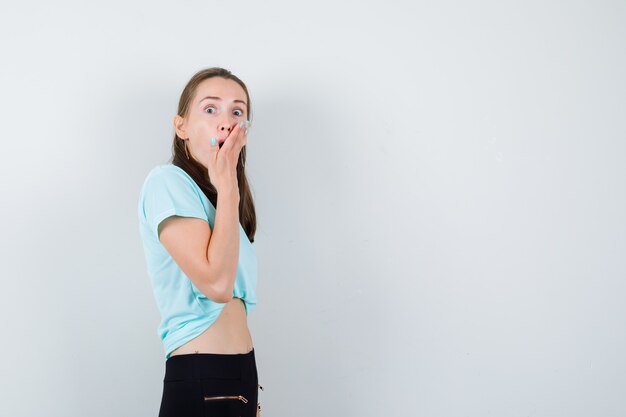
x=227, y=127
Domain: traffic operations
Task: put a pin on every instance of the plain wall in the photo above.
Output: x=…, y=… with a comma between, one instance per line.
x=439, y=190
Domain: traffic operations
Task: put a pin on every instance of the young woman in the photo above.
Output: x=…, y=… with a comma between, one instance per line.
x=197, y=223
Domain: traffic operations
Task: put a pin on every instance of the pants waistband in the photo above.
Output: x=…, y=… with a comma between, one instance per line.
x=210, y=365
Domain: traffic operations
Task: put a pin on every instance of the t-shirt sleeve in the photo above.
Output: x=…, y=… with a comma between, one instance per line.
x=167, y=193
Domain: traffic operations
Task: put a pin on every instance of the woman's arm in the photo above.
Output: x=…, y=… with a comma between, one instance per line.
x=208, y=258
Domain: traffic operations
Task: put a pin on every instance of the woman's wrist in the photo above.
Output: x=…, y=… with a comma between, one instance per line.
x=229, y=192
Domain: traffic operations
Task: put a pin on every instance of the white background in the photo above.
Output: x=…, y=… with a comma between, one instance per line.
x=439, y=186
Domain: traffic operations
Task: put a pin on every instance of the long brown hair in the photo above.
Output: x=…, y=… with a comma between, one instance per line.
x=247, y=212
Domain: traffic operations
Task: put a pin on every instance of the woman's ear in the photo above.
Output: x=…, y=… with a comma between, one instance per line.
x=179, y=126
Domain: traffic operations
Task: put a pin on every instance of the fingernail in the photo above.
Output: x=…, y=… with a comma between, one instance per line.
x=240, y=123
x=247, y=123
x=213, y=140
x=246, y=132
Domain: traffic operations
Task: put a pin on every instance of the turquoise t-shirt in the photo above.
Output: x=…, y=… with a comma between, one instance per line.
x=185, y=311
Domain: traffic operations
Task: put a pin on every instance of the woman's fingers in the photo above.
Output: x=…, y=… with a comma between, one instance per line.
x=233, y=137
x=236, y=140
x=246, y=128
x=241, y=136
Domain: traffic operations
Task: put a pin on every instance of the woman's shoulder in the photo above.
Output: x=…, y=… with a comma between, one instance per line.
x=165, y=171
x=168, y=178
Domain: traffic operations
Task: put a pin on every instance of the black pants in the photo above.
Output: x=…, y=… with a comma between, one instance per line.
x=210, y=384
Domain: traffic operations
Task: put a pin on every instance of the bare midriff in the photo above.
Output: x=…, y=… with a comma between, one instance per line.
x=228, y=334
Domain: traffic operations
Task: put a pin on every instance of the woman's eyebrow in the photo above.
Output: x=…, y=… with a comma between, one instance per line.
x=218, y=98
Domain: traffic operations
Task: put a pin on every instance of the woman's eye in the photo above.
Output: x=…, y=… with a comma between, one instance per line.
x=212, y=107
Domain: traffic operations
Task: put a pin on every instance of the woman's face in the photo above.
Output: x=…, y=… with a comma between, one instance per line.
x=213, y=116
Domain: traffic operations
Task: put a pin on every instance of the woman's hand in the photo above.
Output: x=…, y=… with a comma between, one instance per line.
x=222, y=164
